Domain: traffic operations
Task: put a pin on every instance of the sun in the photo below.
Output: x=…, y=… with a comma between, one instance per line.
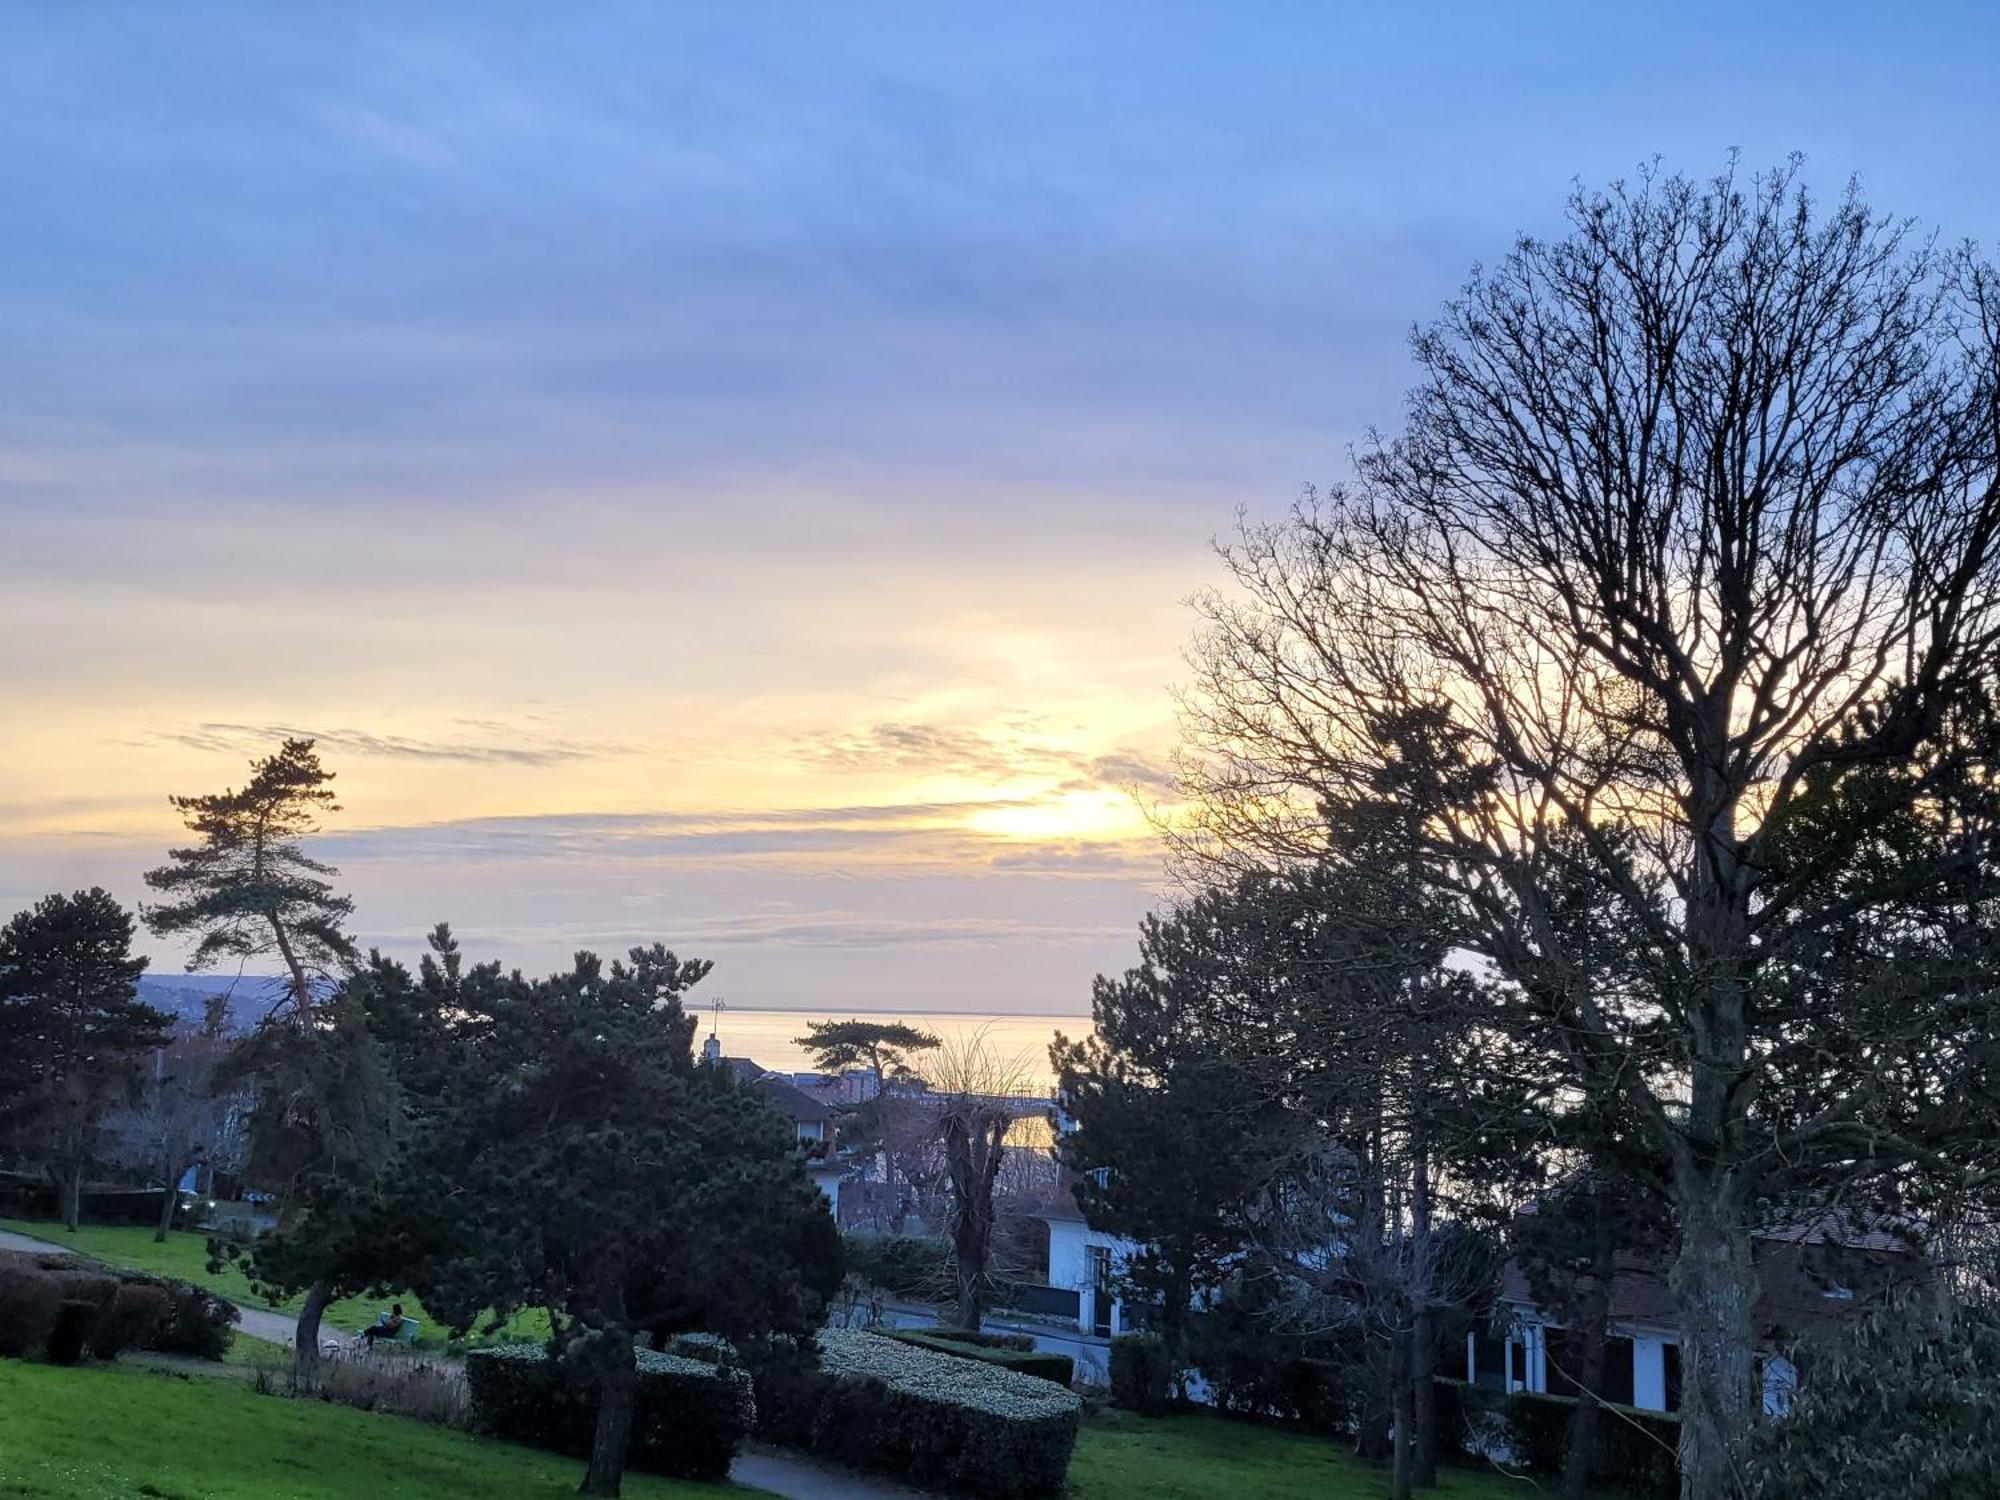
x=1099, y=815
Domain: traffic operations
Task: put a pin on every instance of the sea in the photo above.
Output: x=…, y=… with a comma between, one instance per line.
x=771, y=1036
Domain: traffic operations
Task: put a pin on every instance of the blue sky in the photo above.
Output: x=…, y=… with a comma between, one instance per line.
x=730, y=473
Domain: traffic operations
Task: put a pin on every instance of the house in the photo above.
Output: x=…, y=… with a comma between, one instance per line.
x=812, y=1121
x=1086, y=1264
x=1812, y=1275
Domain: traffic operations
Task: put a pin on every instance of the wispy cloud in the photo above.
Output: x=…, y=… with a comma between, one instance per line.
x=1015, y=753
x=501, y=746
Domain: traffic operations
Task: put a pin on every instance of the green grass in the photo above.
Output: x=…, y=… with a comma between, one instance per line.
x=97, y=1433
x=1123, y=1457
x=184, y=1256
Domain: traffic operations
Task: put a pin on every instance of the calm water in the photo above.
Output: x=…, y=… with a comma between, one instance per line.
x=768, y=1035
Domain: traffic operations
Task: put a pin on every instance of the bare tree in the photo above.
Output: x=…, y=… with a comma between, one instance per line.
x=1692, y=526
x=978, y=1096
x=182, y=1118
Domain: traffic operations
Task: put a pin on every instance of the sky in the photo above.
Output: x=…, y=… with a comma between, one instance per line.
x=734, y=474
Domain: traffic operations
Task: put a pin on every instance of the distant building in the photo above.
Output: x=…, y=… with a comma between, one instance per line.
x=812, y=1121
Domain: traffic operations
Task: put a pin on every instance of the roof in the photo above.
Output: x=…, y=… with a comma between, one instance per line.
x=1808, y=1275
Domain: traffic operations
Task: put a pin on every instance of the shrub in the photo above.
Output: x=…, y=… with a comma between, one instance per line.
x=196, y=1322
x=1057, y=1367
x=981, y=1337
x=1906, y=1402
x=1635, y=1448
x=941, y=1420
x=688, y=1416
x=29, y=1303
x=1142, y=1376
x=789, y=1385
x=709, y=1348
x=426, y=1390
x=902, y=1264
x=130, y=1321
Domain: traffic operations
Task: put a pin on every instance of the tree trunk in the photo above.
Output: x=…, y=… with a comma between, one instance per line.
x=172, y=1196
x=1714, y=1287
x=973, y=1157
x=1400, y=1417
x=1423, y=1403
x=305, y=1341
x=72, y=1208
x=1591, y=1321
x=614, y=1425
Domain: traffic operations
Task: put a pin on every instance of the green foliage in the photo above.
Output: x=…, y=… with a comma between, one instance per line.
x=688, y=1416
x=131, y=1321
x=1142, y=1374
x=979, y=1336
x=71, y=1029
x=1057, y=1367
x=1907, y=1404
x=195, y=1321
x=882, y=1047
x=904, y=1265
x=1635, y=1449
x=247, y=887
x=29, y=1302
x=932, y=1419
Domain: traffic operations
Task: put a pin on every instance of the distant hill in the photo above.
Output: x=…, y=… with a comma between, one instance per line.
x=186, y=995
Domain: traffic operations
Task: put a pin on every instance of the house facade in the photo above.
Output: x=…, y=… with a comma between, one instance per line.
x=1812, y=1278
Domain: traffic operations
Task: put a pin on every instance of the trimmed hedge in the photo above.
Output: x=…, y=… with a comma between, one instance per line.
x=1031, y=1361
x=933, y=1419
x=708, y=1348
x=116, y=1311
x=981, y=1337
x=1142, y=1376
x=688, y=1416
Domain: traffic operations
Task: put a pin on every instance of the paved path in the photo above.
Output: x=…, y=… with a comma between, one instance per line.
x=795, y=1478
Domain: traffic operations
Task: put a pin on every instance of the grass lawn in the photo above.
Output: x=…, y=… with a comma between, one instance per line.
x=185, y=1257
x=1123, y=1457
x=99, y=1433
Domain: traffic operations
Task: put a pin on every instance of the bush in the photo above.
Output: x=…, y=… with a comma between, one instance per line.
x=789, y=1385
x=1142, y=1376
x=1057, y=1367
x=901, y=1264
x=688, y=1416
x=709, y=1348
x=940, y=1420
x=196, y=1322
x=130, y=1321
x=981, y=1337
x=1906, y=1402
x=1635, y=1449
x=29, y=1303
x=74, y=1316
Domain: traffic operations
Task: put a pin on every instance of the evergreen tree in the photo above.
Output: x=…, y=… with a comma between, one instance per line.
x=247, y=888
x=72, y=1031
x=584, y=1164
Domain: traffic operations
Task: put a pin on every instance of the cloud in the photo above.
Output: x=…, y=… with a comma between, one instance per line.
x=505, y=747
x=954, y=750
x=812, y=831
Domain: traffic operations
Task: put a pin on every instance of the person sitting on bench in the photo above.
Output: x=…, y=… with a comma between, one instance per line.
x=388, y=1327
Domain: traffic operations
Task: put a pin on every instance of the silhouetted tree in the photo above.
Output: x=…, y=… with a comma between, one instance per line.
x=1695, y=512
x=72, y=1031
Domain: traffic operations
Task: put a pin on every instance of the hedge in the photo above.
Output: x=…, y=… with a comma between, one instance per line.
x=981, y=1337
x=1142, y=1377
x=688, y=1416
x=1635, y=1448
x=933, y=1419
x=1030, y=1361
x=112, y=1312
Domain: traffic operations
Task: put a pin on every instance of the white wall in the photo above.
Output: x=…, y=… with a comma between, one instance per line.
x=1649, y=1371
x=1070, y=1244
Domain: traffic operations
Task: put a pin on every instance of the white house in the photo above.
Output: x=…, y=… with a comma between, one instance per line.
x=1810, y=1276
x=1088, y=1262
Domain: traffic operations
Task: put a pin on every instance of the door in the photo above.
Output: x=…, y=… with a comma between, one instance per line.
x=1100, y=1291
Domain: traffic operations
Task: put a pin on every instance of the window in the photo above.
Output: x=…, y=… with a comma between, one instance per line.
x=1617, y=1371
x=1489, y=1360
x=1517, y=1364
x=1673, y=1363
